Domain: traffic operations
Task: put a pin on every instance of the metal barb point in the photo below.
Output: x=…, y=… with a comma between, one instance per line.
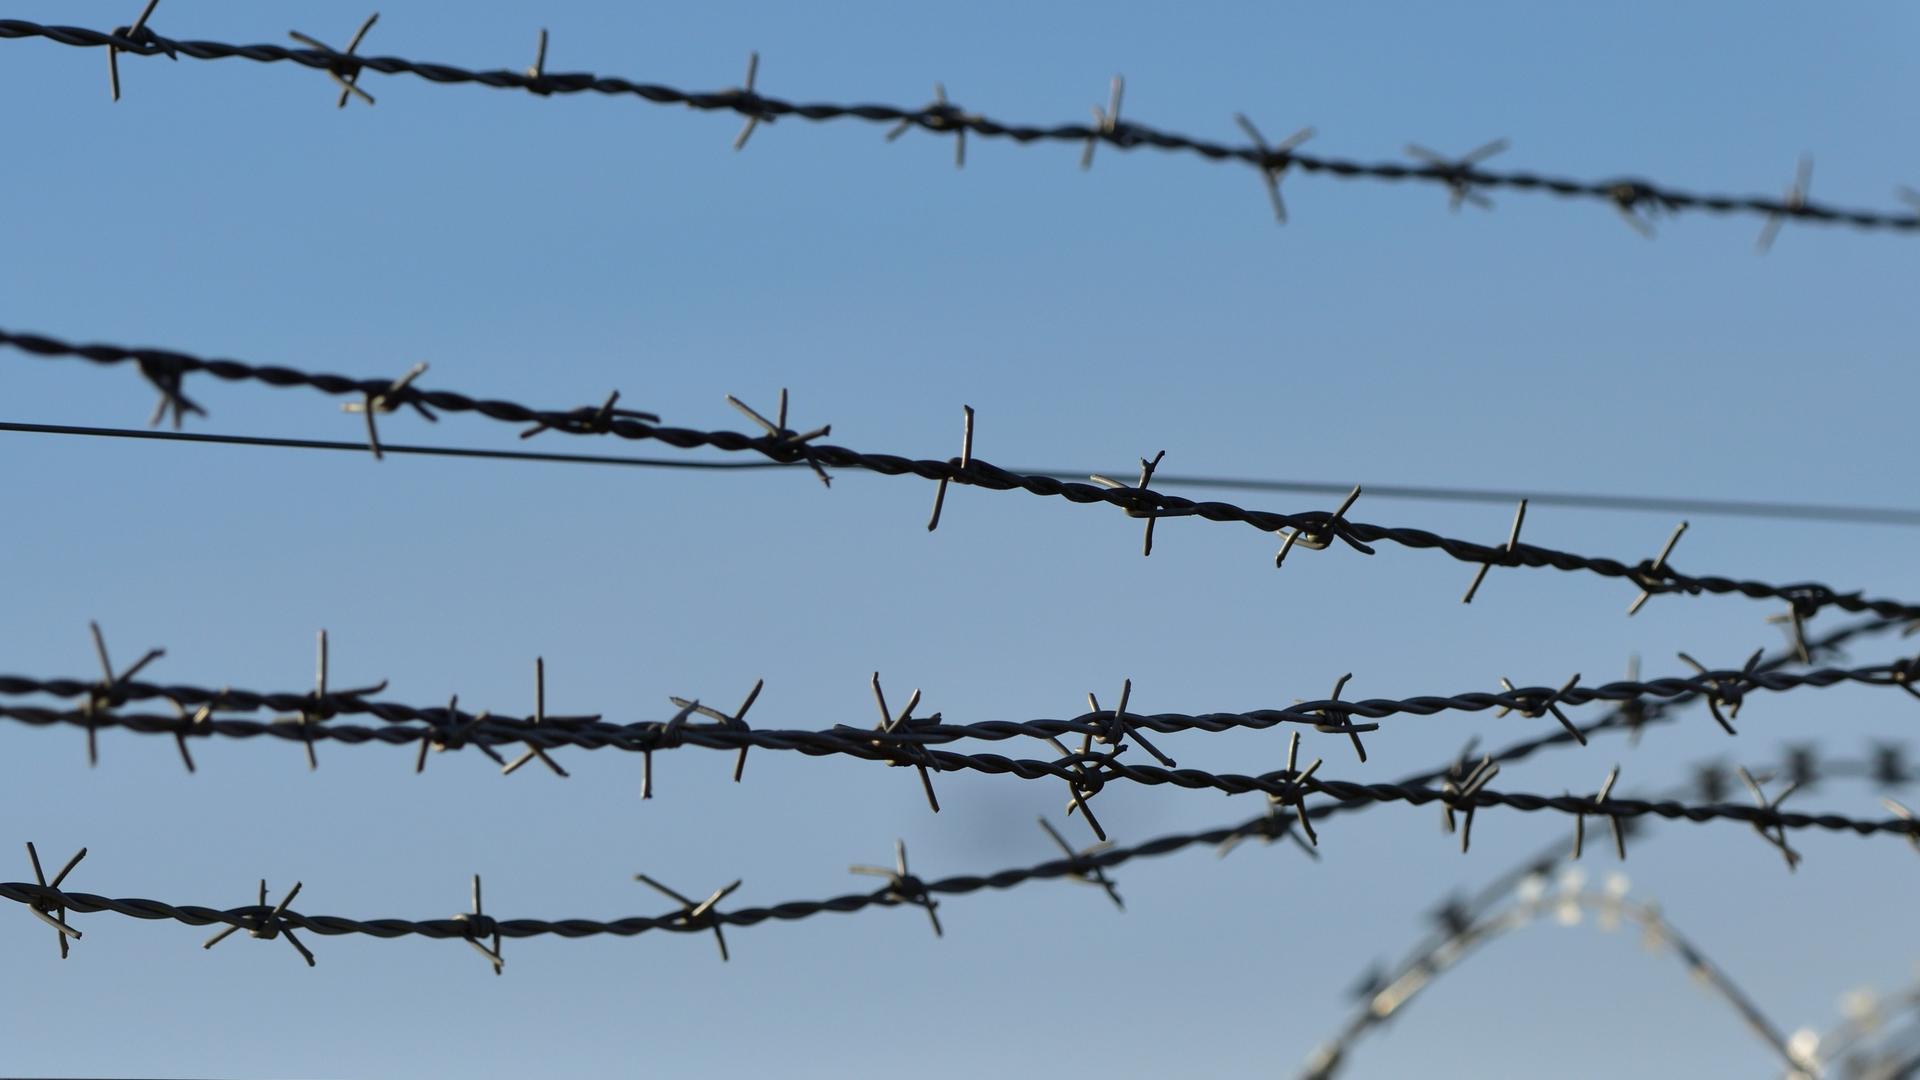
x=1322, y=537
x=1106, y=121
x=1143, y=506
x=1778, y=837
x=939, y=115
x=139, y=34
x=1513, y=543
x=697, y=916
x=906, y=753
x=962, y=463
x=388, y=400
x=736, y=721
x=1795, y=200
x=538, y=72
x=480, y=926
x=343, y=67
x=1274, y=161
x=267, y=923
x=748, y=102
x=784, y=444
x=534, y=749
x=1458, y=172
x=1647, y=575
x=1093, y=874
x=903, y=887
x=1119, y=727
x=108, y=693
x=51, y=911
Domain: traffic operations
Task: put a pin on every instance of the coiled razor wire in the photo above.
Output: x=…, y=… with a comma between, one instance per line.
x=167, y=368
x=1634, y=198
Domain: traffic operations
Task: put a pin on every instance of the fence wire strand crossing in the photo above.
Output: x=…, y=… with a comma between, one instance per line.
x=167, y=369
x=1636, y=200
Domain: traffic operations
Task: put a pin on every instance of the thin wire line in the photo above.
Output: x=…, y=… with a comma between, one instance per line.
x=1859, y=515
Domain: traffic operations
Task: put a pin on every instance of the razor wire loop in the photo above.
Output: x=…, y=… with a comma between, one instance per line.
x=478, y=925
x=697, y=916
x=938, y=116
x=1549, y=704
x=139, y=34
x=1086, y=872
x=1778, y=837
x=1726, y=689
x=110, y=692
x=902, y=752
x=902, y=887
x=1143, y=504
x=1273, y=160
x=1619, y=833
x=666, y=736
x=1119, y=728
x=961, y=464
x=744, y=101
x=589, y=419
x=783, y=444
x=1106, y=123
x=1794, y=201
x=342, y=67
x=1651, y=574
x=1458, y=173
x=1510, y=559
x=1319, y=536
x=264, y=923
x=51, y=907
x=324, y=703
x=534, y=749
x=387, y=400
x=737, y=721
x=1458, y=791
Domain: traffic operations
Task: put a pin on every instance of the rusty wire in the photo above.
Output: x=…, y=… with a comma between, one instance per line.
x=166, y=369
x=1635, y=200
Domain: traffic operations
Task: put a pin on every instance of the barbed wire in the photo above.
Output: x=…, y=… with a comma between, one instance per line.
x=1637, y=201
x=167, y=369
x=1746, y=508
x=1462, y=923
x=1089, y=865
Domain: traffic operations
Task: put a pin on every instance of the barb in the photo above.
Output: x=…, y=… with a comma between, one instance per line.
x=1459, y=177
x=777, y=443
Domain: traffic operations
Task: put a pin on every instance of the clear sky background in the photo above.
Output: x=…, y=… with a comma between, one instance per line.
x=548, y=250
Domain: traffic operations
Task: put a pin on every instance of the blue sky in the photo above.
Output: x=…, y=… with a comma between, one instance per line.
x=548, y=250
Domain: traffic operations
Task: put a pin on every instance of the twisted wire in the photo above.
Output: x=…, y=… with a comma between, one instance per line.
x=1624, y=193
x=166, y=368
x=1267, y=826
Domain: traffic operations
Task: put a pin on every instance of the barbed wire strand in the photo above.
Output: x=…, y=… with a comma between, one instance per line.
x=1314, y=529
x=1090, y=864
x=1743, y=508
x=1635, y=199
